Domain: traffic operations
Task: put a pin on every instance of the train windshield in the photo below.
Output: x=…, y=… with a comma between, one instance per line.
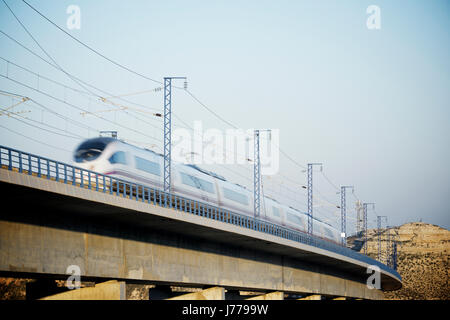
x=91, y=149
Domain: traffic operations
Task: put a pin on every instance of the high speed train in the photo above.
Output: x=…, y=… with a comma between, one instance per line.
x=119, y=159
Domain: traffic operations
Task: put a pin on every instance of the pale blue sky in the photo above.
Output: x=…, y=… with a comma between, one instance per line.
x=372, y=105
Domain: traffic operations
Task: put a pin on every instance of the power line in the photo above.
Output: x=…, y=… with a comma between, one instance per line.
x=77, y=81
x=73, y=89
x=78, y=91
x=210, y=110
x=228, y=169
x=79, y=108
x=90, y=48
x=124, y=67
x=74, y=77
x=139, y=74
x=190, y=93
x=38, y=141
x=58, y=83
x=39, y=45
x=75, y=136
x=43, y=77
x=44, y=93
x=61, y=134
x=329, y=181
x=66, y=86
x=235, y=127
x=78, y=124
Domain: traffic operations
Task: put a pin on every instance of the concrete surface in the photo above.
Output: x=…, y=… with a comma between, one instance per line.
x=215, y=293
x=109, y=290
x=312, y=297
x=118, y=238
x=269, y=296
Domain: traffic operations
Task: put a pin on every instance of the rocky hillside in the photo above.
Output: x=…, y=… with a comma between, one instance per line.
x=13, y=289
x=423, y=259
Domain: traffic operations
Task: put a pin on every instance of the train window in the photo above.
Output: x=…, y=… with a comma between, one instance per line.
x=189, y=180
x=86, y=155
x=90, y=150
x=328, y=233
x=118, y=157
x=235, y=196
x=294, y=219
x=207, y=186
x=197, y=182
x=148, y=166
x=276, y=212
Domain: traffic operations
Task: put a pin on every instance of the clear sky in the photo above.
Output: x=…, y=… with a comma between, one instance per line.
x=372, y=105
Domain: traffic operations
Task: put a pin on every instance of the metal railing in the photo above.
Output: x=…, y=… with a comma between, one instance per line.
x=26, y=163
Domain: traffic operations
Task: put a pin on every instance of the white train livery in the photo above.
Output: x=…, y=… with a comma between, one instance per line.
x=114, y=157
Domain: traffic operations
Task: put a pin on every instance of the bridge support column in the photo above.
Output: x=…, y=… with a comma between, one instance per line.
x=215, y=293
x=109, y=290
x=277, y=295
x=40, y=288
x=312, y=297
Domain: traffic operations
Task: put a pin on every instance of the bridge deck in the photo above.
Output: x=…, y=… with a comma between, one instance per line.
x=75, y=203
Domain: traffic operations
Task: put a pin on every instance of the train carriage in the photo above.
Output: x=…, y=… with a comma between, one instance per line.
x=140, y=166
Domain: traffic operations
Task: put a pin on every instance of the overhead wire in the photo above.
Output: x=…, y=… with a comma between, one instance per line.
x=35, y=140
x=139, y=74
x=130, y=70
x=142, y=75
x=66, y=86
x=329, y=181
x=76, y=123
x=228, y=169
x=46, y=78
x=145, y=77
x=73, y=89
x=43, y=50
x=56, y=65
x=12, y=79
x=89, y=47
x=78, y=108
x=35, y=126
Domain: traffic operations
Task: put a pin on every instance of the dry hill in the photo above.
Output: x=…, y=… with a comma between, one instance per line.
x=423, y=260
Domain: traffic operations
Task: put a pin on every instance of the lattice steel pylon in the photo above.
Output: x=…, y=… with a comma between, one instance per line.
x=257, y=181
x=365, y=224
x=256, y=176
x=394, y=255
x=388, y=247
x=391, y=248
x=359, y=218
x=168, y=131
x=343, y=214
x=310, y=196
x=379, y=221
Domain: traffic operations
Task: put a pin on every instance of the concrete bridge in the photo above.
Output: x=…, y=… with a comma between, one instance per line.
x=50, y=222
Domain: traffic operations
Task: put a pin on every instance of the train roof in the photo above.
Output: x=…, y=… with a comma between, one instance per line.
x=210, y=173
x=314, y=218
